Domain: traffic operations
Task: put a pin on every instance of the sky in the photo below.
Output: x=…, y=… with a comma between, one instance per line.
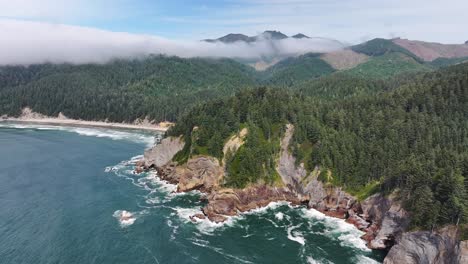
x=175, y=27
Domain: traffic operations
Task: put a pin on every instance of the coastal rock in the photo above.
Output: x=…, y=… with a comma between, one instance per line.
x=161, y=154
x=389, y=220
x=439, y=247
x=229, y=202
x=330, y=200
x=199, y=173
x=462, y=252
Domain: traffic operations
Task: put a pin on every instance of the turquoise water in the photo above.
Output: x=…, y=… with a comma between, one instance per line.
x=62, y=192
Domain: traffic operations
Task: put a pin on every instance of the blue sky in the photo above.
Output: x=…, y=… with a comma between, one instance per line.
x=348, y=20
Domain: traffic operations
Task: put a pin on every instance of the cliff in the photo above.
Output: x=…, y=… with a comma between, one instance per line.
x=382, y=218
x=162, y=153
x=438, y=247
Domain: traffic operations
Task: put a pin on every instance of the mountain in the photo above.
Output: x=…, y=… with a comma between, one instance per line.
x=232, y=38
x=429, y=51
x=299, y=36
x=270, y=35
x=379, y=46
x=296, y=69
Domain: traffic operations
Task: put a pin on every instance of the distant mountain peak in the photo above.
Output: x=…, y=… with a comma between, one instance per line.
x=273, y=34
x=300, y=36
x=466, y=42
x=231, y=38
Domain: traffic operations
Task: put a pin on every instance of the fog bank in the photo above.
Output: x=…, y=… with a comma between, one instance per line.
x=25, y=43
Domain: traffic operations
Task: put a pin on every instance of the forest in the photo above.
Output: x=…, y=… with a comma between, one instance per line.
x=411, y=139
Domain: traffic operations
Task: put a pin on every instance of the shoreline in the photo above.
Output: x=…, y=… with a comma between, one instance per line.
x=83, y=123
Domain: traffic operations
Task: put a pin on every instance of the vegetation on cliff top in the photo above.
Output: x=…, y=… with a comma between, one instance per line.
x=413, y=139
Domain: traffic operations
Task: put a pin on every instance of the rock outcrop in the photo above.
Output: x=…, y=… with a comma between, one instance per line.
x=439, y=247
x=199, y=173
x=234, y=143
x=159, y=155
x=330, y=200
x=229, y=202
x=462, y=252
x=388, y=220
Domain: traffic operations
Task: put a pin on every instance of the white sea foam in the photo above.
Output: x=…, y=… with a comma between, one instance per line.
x=270, y=206
x=365, y=260
x=91, y=132
x=311, y=260
x=295, y=235
x=125, y=218
x=347, y=234
x=279, y=216
x=206, y=244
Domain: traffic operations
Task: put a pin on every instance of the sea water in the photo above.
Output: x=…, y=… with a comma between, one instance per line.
x=63, y=192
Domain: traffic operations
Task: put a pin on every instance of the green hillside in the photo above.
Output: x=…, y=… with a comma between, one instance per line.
x=296, y=69
x=379, y=47
x=388, y=65
x=159, y=87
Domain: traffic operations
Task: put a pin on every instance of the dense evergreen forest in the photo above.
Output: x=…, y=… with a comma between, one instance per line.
x=412, y=139
x=159, y=87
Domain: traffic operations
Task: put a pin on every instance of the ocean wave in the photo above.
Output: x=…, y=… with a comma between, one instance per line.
x=365, y=260
x=296, y=236
x=204, y=226
x=347, y=234
x=114, y=134
x=125, y=218
x=206, y=244
x=279, y=216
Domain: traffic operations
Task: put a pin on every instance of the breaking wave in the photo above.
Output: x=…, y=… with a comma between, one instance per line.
x=137, y=137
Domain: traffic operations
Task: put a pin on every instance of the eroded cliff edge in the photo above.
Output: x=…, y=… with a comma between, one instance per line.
x=382, y=218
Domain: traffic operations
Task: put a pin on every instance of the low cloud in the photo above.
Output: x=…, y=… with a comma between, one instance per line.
x=25, y=43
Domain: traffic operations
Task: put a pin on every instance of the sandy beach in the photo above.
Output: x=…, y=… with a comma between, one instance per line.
x=30, y=117
x=82, y=123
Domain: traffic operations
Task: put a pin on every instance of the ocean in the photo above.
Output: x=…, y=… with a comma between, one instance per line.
x=63, y=191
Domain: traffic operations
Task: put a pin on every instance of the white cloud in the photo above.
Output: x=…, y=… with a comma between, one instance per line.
x=25, y=42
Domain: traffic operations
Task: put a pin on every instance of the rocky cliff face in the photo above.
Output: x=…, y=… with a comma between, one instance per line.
x=290, y=174
x=439, y=247
x=199, y=173
x=462, y=252
x=162, y=153
x=388, y=220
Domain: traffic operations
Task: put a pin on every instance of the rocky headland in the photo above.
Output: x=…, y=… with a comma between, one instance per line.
x=381, y=217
